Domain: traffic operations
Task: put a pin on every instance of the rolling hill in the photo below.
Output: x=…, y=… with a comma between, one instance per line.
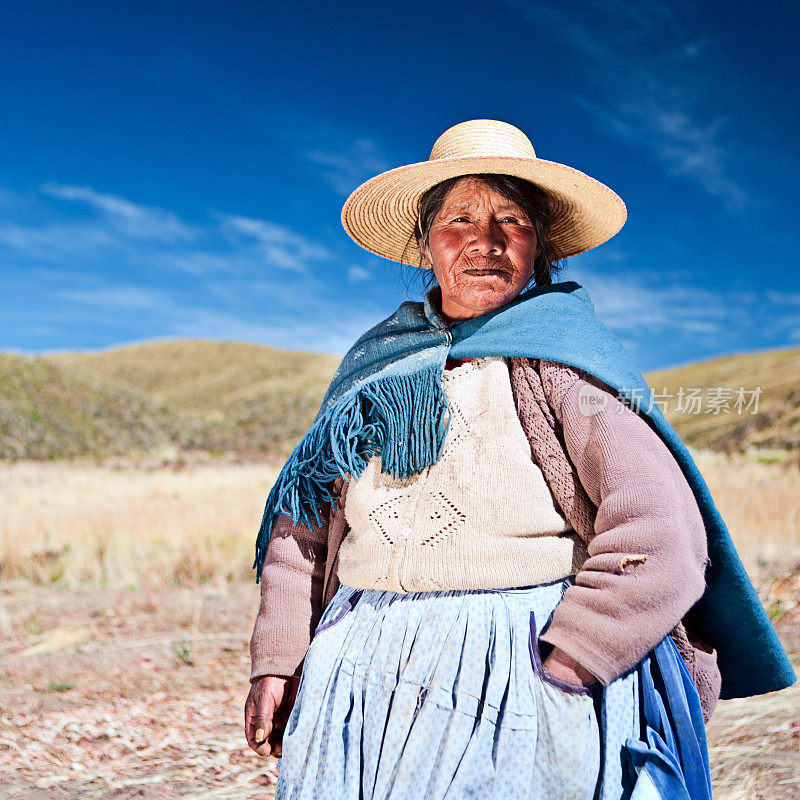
x=188, y=395
x=771, y=376
x=228, y=397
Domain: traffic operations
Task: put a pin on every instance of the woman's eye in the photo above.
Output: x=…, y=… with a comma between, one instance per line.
x=461, y=219
x=509, y=219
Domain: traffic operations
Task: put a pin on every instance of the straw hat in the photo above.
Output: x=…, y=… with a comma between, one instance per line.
x=380, y=214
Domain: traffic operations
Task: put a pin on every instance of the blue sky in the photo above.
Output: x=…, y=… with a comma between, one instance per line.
x=178, y=169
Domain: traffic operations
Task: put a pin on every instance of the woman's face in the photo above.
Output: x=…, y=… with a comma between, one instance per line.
x=482, y=247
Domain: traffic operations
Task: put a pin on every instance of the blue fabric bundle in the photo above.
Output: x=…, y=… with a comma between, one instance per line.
x=386, y=398
x=671, y=757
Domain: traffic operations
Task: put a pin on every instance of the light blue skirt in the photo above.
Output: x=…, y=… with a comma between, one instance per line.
x=442, y=694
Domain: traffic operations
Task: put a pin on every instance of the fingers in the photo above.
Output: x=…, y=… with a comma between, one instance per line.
x=276, y=742
x=267, y=709
x=280, y=719
x=563, y=667
x=283, y=710
x=258, y=719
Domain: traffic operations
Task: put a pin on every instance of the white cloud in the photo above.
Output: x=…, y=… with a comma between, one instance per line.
x=629, y=304
x=74, y=258
x=118, y=298
x=787, y=298
x=278, y=245
x=342, y=156
x=201, y=262
x=130, y=219
x=649, y=88
x=351, y=165
x=657, y=311
x=57, y=241
x=356, y=273
x=116, y=231
x=313, y=331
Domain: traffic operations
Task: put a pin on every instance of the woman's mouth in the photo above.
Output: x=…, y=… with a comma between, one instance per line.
x=486, y=272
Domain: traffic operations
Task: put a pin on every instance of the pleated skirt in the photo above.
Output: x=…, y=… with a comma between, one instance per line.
x=442, y=695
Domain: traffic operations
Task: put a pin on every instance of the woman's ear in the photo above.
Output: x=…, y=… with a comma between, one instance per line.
x=425, y=253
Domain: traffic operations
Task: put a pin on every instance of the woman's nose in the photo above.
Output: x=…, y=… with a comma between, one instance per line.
x=487, y=238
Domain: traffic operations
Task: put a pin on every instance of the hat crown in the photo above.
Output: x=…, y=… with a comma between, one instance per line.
x=482, y=137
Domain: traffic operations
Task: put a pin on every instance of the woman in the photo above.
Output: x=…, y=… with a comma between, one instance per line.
x=488, y=540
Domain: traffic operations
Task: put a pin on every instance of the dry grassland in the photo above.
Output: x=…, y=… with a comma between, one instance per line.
x=79, y=523
x=127, y=598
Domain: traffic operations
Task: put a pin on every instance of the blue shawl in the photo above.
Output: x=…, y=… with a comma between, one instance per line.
x=386, y=398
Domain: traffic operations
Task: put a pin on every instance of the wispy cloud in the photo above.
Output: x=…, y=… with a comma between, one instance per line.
x=122, y=297
x=628, y=304
x=783, y=298
x=293, y=332
x=56, y=241
x=660, y=315
x=345, y=168
x=130, y=219
x=340, y=156
x=112, y=228
x=105, y=265
x=651, y=85
x=279, y=245
x=356, y=273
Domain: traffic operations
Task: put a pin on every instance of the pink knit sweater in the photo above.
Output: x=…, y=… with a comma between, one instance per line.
x=616, y=482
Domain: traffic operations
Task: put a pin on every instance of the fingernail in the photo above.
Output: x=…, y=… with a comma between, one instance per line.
x=261, y=735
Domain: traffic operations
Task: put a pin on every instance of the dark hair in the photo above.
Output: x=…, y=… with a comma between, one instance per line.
x=533, y=200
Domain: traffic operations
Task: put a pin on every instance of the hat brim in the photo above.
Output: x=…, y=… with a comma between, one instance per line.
x=381, y=213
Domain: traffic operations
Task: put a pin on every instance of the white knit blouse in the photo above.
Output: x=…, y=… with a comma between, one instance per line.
x=482, y=516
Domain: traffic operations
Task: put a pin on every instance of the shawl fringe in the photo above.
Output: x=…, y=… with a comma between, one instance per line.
x=403, y=418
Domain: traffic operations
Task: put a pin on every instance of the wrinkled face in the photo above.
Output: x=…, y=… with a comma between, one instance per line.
x=482, y=247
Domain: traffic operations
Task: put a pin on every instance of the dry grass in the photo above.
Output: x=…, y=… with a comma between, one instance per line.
x=123, y=677
x=148, y=703
x=157, y=682
x=83, y=523
x=755, y=747
x=760, y=502
x=80, y=523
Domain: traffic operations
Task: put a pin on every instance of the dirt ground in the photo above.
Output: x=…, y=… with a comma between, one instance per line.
x=130, y=693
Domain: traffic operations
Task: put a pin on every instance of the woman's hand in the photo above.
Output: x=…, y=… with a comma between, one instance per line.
x=267, y=711
x=559, y=665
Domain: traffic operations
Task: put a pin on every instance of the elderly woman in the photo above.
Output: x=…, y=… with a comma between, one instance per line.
x=480, y=568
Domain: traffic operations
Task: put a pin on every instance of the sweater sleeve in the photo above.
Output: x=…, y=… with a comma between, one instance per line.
x=291, y=597
x=646, y=561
